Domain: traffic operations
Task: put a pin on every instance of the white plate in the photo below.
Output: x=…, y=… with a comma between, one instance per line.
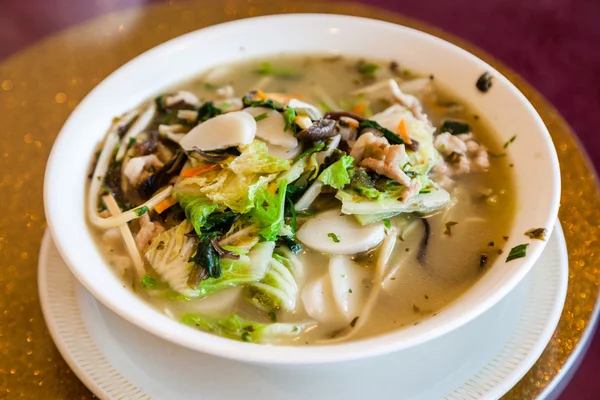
x=482, y=359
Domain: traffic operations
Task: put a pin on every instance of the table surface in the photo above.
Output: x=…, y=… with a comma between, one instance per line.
x=551, y=43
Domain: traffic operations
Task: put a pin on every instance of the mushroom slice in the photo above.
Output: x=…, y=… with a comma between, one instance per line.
x=271, y=128
x=348, y=285
x=330, y=232
x=223, y=131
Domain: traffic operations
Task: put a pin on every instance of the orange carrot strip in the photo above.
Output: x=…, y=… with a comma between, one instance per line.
x=163, y=205
x=261, y=94
x=403, y=132
x=199, y=170
x=359, y=108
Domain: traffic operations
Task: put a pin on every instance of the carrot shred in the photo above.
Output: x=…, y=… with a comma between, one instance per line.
x=403, y=132
x=261, y=94
x=186, y=173
x=163, y=205
x=360, y=108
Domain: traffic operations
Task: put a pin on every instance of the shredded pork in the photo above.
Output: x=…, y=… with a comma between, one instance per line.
x=148, y=230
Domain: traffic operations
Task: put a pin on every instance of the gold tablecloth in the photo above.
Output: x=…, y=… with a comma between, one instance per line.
x=40, y=86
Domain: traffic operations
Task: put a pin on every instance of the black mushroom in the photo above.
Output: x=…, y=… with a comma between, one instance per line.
x=212, y=157
x=424, y=241
x=162, y=177
x=335, y=115
x=319, y=130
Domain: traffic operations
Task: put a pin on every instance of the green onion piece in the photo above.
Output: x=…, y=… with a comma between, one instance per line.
x=519, y=251
x=334, y=237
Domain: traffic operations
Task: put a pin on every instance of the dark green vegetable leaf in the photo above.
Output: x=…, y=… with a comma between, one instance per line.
x=519, y=251
x=267, y=103
x=389, y=135
x=208, y=111
x=207, y=257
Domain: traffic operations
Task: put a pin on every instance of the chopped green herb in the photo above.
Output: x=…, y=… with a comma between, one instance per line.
x=246, y=336
x=273, y=316
x=260, y=117
x=349, y=290
x=207, y=111
x=353, y=322
x=449, y=226
x=149, y=282
x=455, y=127
x=537, y=233
x=266, y=68
x=132, y=141
x=367, y=68
x=505, y=238
x=288, y=115
x=416, y=308
x=141, y=211
x=519, y=251
x=296, y=329
x=484, y=83
x=512, y=139
x=491, y=244
x=387, y=223
x=334, y=237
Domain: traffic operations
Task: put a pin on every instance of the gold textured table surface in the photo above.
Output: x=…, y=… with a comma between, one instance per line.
x=39, y=87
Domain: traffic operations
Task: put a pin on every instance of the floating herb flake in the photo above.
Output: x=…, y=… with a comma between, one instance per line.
x=273, y=316
x=353, y=322
x=512, y=139
x=334, y=237
x=519, y=251
x=449, y=226
x=260, y=117
x=537, y=233
x=387, y=223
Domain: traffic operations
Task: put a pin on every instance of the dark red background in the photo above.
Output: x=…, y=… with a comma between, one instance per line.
x=554, y=44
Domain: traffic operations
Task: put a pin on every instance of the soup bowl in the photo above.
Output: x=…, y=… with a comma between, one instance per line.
x=535, y=165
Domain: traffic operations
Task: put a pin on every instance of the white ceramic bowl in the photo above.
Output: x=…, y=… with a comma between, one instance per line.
x=536, y=168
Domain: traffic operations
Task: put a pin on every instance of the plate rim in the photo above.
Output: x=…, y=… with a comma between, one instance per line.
x=468, y=389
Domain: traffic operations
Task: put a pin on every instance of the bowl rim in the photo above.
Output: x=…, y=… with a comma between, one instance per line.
x=291, y=355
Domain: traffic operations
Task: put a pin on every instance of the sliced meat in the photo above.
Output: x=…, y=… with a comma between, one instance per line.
x=377, y=154
x=148, y=230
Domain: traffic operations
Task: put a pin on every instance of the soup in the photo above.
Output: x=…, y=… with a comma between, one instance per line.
x=301, y=199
